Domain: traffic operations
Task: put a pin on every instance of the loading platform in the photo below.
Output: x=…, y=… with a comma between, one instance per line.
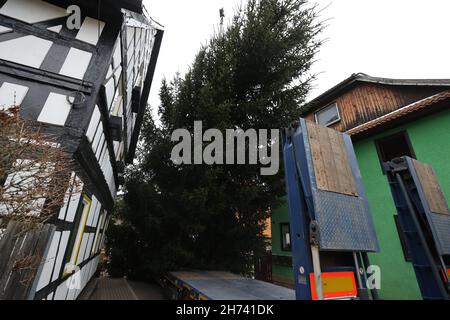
x=217, y=285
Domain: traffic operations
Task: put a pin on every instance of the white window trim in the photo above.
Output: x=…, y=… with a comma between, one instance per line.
x=327, y=106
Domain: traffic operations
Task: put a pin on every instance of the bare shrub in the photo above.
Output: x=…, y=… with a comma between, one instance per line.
x=34, y=170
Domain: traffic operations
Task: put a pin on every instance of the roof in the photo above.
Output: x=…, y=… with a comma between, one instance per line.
x=355, y=78
x=132, y=5
x=141, y=20
x=411, y=108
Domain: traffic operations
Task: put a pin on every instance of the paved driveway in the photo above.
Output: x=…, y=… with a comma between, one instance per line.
x=123, y=289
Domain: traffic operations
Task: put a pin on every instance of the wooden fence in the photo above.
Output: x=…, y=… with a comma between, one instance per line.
x=263, y=267
x=22, y=248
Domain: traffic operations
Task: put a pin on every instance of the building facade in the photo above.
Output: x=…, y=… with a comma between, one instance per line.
x=386, y=118
x=89, y=86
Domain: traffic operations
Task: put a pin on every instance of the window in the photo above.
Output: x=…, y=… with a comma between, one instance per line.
x=394, y=146
x=328, y=115
x=102, y=242
x=402, y=239
x=77, y=235
x=99, y=232
x=285, y=237
x=116, y=107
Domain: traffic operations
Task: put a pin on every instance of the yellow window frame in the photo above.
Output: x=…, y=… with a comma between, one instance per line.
x=80, y=232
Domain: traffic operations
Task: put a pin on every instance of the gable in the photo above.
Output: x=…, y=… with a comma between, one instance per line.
x=368, y=101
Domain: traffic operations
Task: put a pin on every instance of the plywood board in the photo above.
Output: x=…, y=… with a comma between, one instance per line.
x=431, y=188
x=330, y=160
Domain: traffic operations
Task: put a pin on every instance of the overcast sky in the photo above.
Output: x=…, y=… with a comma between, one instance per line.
x=385, y=38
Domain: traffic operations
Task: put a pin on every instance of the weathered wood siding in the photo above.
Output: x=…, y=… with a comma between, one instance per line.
x=431, y=188
x=21, y=252
x=368, y=101
x=330, y=160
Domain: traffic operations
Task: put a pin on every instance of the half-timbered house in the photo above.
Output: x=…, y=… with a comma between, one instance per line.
x=89, y=86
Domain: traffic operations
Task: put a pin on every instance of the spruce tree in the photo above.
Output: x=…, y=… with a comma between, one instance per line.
x=256, y=74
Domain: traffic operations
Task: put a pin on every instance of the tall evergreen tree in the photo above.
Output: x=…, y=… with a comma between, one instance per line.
x=253, y=75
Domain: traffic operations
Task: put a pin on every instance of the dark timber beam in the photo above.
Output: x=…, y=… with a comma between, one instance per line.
x=28, y=29
x=86, y=158
x=96, y=73
x=107, y=7
x=103, y=107
x=45, y=77
x=43, y=293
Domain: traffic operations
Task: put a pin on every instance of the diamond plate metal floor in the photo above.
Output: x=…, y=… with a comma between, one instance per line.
x=123, y=289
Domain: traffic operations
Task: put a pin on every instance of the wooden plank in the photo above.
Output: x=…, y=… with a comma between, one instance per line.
x=22, y=260
x=330, y=160
x=7, y=245
x=327, y=155
x=27, y=262
x=431, y=188
x=21, y=253
x=368, y=101
x=346, y=180
x=318, y=163
x=37, y=255
x=337, y=157
x=350, y=177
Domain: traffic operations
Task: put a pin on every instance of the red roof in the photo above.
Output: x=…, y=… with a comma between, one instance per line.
x=418, y=105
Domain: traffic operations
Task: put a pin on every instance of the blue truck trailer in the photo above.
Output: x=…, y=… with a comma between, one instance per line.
x=218, y=285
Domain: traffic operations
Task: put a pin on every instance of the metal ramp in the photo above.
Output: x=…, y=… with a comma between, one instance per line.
x=424, y=219
x=331, y=224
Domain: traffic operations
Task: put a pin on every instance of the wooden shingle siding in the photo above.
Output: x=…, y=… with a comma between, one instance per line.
x=431, y=188
x=330, y=160
x=368, y=101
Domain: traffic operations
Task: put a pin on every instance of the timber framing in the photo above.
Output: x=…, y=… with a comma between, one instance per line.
x=91, y=85
x=105, y=7
x=28, y=29
x=77, y=86
x=42, y=294
x=45, y=77
x=145, y=95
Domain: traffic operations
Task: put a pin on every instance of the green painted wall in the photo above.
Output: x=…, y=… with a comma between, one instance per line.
x=397, y=276
x=279, y=216
x=430, y=139
x=283, y=271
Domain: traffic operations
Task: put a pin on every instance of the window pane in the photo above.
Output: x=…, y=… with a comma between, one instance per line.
x=328, y=115
x=288, y=239
x=285, y=237
x=77, y=234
